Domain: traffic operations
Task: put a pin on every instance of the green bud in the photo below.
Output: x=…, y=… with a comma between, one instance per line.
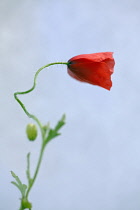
x=31, y=131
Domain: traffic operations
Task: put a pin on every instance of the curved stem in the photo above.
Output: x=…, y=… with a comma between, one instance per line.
x=37, y=121
x=31, y=89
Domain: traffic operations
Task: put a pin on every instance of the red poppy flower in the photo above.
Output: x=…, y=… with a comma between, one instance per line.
x=95, y=68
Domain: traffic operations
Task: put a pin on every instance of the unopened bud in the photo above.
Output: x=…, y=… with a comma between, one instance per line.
x=31, y=131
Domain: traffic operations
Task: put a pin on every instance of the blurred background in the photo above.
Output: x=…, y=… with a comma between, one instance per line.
x=95, y=164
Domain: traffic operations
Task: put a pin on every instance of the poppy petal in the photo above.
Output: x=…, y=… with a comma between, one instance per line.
x=95, y=68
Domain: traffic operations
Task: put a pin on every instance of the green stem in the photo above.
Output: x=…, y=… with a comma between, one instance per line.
x=38, y=122
x=36, y=170
x=31, y=89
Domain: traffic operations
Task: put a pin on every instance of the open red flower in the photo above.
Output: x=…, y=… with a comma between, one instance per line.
x=95, y=68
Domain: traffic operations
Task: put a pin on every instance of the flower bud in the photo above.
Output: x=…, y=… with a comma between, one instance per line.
x=31, y=131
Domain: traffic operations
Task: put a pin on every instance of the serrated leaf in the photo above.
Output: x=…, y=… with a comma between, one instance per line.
x=60, y=123
x=16, y=178
x=54, y=132
x=14, y=183
x=18, y=184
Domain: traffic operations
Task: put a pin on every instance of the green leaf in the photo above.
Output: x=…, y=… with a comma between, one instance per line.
x=14, y=183
x=54, y=132
x=60, y=123
x=16, y=178
x=22, y=187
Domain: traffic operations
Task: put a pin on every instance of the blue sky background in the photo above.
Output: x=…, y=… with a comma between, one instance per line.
x=95, y=164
